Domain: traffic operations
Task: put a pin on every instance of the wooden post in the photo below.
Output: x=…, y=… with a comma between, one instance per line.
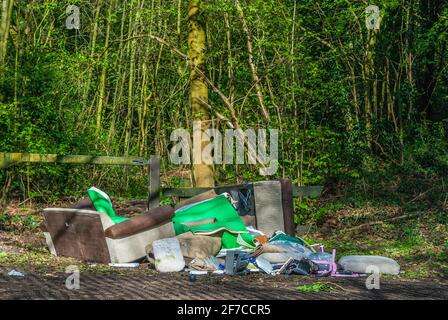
x=154, y=183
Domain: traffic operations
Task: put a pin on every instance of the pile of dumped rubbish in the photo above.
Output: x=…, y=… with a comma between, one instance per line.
x=204, y=235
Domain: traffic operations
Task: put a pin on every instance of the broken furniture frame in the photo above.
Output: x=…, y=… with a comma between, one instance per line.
x=92, y=236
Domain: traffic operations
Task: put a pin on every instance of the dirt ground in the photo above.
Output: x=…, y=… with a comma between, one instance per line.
x=22, y=248
x=145, y=284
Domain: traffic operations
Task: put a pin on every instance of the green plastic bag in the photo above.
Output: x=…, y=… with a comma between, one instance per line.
x=102, y=203
x=214, y=216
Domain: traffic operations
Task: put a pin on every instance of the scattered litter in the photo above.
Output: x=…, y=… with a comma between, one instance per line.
x=255, y=232
x=198, y=273
x=223, y=252
x=329, y=267
x=282, y=267
x=216, y=263
x=124, y=265
x=300, y=267
x=14, y=273
x=201, y=264
x=218, y=272
x=194, y=274
x=192, y=277
x=281, y=250
x=261, y=240
x=236, y=262
x=324, y=261
x=281, y=236
x=264, y=265
x=213, y=237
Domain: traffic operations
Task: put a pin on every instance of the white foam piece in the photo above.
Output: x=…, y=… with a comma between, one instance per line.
x=366, y=264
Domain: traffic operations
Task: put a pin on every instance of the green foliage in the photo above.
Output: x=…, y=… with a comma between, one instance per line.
x=344, y=119
x=427, y=153
x=18, y=223
x=315, y=287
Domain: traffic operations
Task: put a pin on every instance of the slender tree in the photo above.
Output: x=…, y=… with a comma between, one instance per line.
x=6, y=10
x=203, y=173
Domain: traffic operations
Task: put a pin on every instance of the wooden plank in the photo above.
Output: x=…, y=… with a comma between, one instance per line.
x=9, y=159
x=154, y=182
x=183, y=192
x=308, y=191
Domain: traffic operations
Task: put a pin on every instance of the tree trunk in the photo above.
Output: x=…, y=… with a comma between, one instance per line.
x=101, y=99
x=132, y=59
x=6, y=10
x=203, y=173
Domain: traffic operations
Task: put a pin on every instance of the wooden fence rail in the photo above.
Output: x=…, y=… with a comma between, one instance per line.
x=308, y=191
x=9, y=159
x=154, y=188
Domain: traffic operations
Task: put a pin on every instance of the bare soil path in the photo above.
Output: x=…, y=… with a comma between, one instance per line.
x=146, y=284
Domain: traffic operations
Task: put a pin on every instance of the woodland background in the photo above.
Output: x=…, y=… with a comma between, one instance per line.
x=363, y=112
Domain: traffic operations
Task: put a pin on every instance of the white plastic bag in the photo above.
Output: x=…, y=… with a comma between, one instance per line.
x=168, y=255
x=288, y=250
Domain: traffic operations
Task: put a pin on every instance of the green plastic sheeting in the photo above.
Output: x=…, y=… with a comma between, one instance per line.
x=211, y=217
x=284, y=237
x=102, y=203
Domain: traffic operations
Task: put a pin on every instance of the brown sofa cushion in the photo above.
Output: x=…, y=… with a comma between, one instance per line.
x=77, y=235
x=84, y=204
x=146, y=221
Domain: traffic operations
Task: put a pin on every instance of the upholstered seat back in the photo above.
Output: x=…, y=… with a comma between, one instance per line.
x=78, y=233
